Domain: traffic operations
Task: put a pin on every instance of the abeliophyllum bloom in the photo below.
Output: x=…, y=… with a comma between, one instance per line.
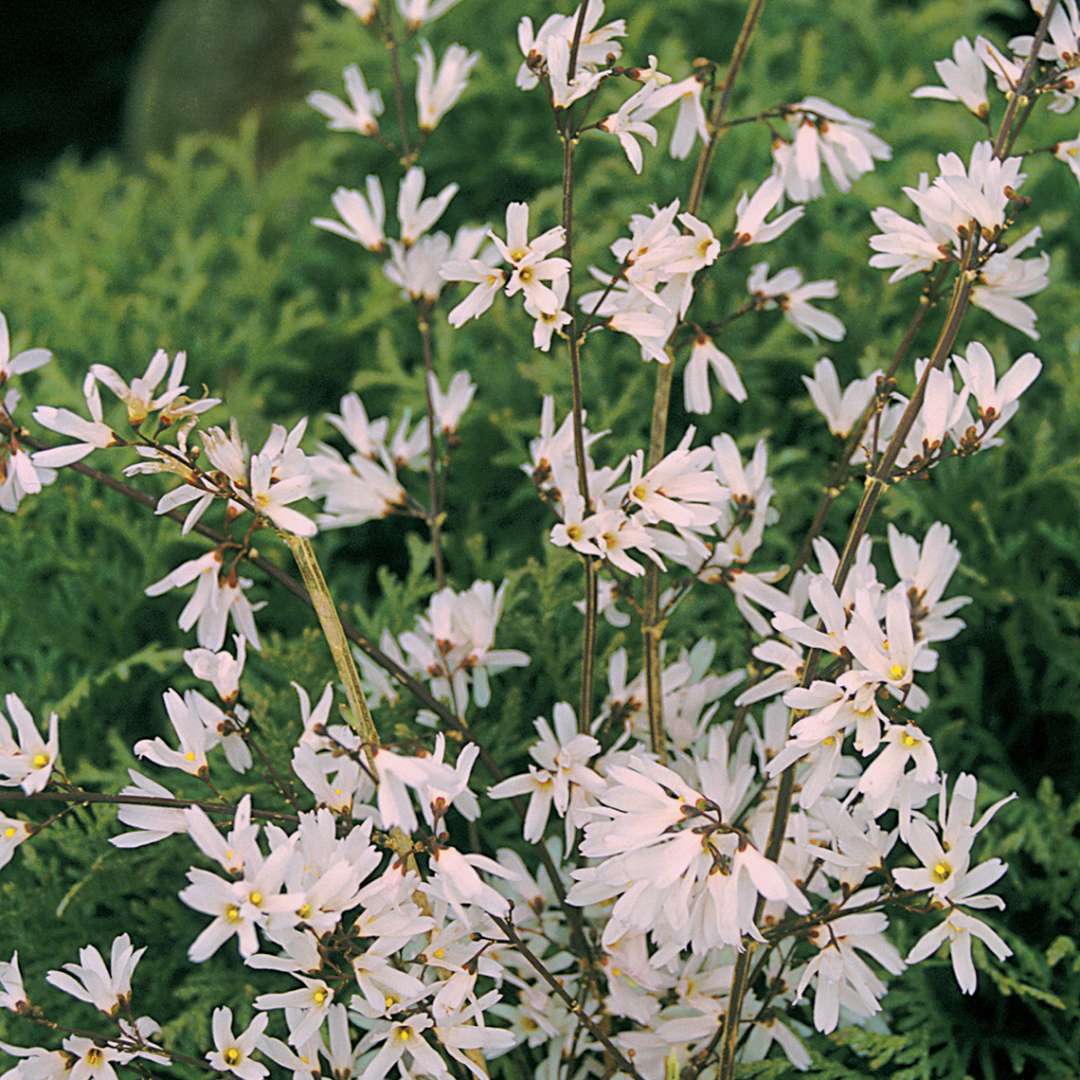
x=19, y=476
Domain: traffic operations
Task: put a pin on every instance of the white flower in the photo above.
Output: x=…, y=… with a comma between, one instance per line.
x=840, y=409
x=751, y=211
x=995, y=397
x=705, y=356
x=363, y=108
x=457, y=882
x=980, y=189
x=363, y=218
x=1068, y=150
x=566, y=86
x=312, y=1001
x=88, y=1061
x=140, y=398
x=450, y=407
x=690, y=123
x=272, y=499
x=12, y=833
x=628, y=128
x=106, y=988
x=190, y=732
x=213, y=602
x=787, y=290
x=964, y=79
x=12, y=994
x=29, y=762
x=958, y=929
x=488, y=279
x=220, y=668
x=903, y=246
x=20, y=363
x=232, y=1053
x=415, y=213
x=93, y=434
x=1005, y=278
x=151, y=823
x=438, y=89
x=418, y=12
x=365, y=10
x=399, y=1040
x=903, y=743
x=238, y=907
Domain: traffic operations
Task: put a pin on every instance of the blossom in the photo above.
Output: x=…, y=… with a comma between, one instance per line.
x=13, y=832
x=20, y=363
x=106, y=988
x=272, y=499
x=362, y=218
x=415, y=213
x=362, y=110
x=903, y=743
x=213, y=602
x=418, y=12
x=787, y=290
x=232, y=1053
x=450, y=407
x=150, y=823
x=840, y=409
x=902, y=246
x=191, y=733
x=220, y=668
x=29, y=762
x=705, y=356
x=12, y=994
x=439, y=88
x=401, y=1039
x=690, y=122
x=628, y=127
x=996, y=398
x=958, y=929
x=93, y=434
x=1068, y=150
x=488, y=280
x=141, y=397
x=964, y=79
x=1005, y=278
x=751, y=211
x=365, y=10
x=85, y=1060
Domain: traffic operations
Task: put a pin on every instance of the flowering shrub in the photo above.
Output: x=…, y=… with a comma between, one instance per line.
x=730, y=845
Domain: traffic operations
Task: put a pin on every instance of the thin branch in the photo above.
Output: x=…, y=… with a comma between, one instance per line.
x=434, y=507
x=79, y=796
x=652, y=628
x=538, y=966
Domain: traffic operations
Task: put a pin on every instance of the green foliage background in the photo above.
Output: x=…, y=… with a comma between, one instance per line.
x=209, y=248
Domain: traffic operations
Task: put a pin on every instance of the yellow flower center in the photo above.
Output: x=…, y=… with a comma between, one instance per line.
x=94, y=1056
x=232, y=1056
x=909, y=740
x=404, y=1033
x=527, y=275
x=896, y=672
x=829, y=740
x=390, y=1001
x=319, y=996
x=256, y=898
x=303, y=911
x=518, y=254
x=639, y=491
x=10, y=831
x=575, y=532
x=190, y=755
x=232, y=914
x=439, y=954
x=40, y=761
x=940, y=872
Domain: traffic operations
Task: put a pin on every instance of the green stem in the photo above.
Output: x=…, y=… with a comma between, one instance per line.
x=359, y=714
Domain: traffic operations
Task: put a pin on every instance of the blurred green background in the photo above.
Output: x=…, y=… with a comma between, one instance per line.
x=192, y=231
